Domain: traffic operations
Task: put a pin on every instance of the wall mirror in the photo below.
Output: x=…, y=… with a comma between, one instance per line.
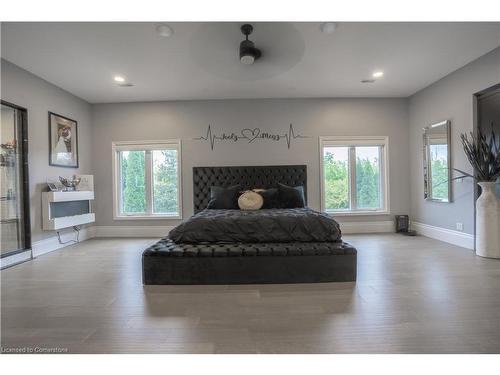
x=437, y=166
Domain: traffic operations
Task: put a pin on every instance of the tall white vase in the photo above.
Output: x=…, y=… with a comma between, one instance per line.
x=488, y=222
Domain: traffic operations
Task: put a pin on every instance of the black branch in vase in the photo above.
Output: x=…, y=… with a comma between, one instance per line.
x=483, y=155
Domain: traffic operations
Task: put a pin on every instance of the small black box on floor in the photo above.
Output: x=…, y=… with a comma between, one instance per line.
x=403, y=225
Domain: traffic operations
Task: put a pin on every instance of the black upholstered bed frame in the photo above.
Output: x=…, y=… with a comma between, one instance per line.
x=242, y=263
x=249, y=177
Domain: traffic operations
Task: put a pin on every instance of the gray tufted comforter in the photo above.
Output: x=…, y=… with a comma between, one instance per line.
x=272, y=225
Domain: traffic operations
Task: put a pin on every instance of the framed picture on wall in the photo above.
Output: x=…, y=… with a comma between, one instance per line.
x=63, y=141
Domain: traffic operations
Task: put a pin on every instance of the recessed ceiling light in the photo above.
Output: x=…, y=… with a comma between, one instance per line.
x=328, y=27
x=164, y=30
x=378, y=74
x=119, y=79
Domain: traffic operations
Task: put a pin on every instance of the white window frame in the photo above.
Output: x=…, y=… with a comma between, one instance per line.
x=352, y=141
x=167, y=144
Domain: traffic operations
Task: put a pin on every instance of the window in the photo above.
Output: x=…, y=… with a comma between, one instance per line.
x=354, y=178
x=147, y=182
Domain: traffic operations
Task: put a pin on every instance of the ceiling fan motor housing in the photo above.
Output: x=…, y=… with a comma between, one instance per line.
x=246, y=29
x=248, y=52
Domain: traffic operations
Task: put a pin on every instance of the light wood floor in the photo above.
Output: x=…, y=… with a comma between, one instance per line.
x=413, y=295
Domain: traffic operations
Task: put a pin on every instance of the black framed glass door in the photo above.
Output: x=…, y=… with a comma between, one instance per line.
x=15, y=234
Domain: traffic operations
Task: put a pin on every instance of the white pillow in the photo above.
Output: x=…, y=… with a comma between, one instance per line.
x=250, y=200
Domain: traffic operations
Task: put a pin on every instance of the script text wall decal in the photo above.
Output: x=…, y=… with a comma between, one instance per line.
x=249, y=136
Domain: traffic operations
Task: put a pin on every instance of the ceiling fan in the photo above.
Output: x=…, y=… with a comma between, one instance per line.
x=248, y=52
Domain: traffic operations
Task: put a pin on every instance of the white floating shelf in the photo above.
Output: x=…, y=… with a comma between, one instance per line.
x=65, y=196
x=69, y=221
x=64, y=209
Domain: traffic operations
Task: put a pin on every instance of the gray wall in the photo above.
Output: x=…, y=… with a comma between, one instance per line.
x=450, y=98
x=401, y=119
x=27, y=90
x=188, y=119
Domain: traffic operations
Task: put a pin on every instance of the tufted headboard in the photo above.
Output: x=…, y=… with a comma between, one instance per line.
x=249, y=177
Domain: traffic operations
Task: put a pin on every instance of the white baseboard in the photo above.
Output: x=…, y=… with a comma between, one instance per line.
x=135, y=231
x=50, y=244
x=353, y=227
x=162, y=231
x=447, y=235
x=14, y=259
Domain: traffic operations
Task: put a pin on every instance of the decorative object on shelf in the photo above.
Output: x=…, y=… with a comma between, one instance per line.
x=70, y=185
x=484, y=155
x=250, y=135
x=11, y=145
x=63, y=141
x=52, y=186
x=86, y=182
x=8, y=154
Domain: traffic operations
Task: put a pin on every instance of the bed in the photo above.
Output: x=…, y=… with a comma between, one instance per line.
x=297, y=245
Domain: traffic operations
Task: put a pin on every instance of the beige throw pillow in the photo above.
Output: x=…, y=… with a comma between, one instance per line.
x=250, y=200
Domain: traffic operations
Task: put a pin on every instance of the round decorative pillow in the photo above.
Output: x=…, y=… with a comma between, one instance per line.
x=250, y=200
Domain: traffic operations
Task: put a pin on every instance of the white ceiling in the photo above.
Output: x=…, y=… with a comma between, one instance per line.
x=200, y=61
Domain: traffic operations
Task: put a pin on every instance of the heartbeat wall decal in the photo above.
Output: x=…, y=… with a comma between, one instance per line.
x=250, y=135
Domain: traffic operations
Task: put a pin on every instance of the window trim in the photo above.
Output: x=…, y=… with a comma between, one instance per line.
x=348, y=141
x=116, y=146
